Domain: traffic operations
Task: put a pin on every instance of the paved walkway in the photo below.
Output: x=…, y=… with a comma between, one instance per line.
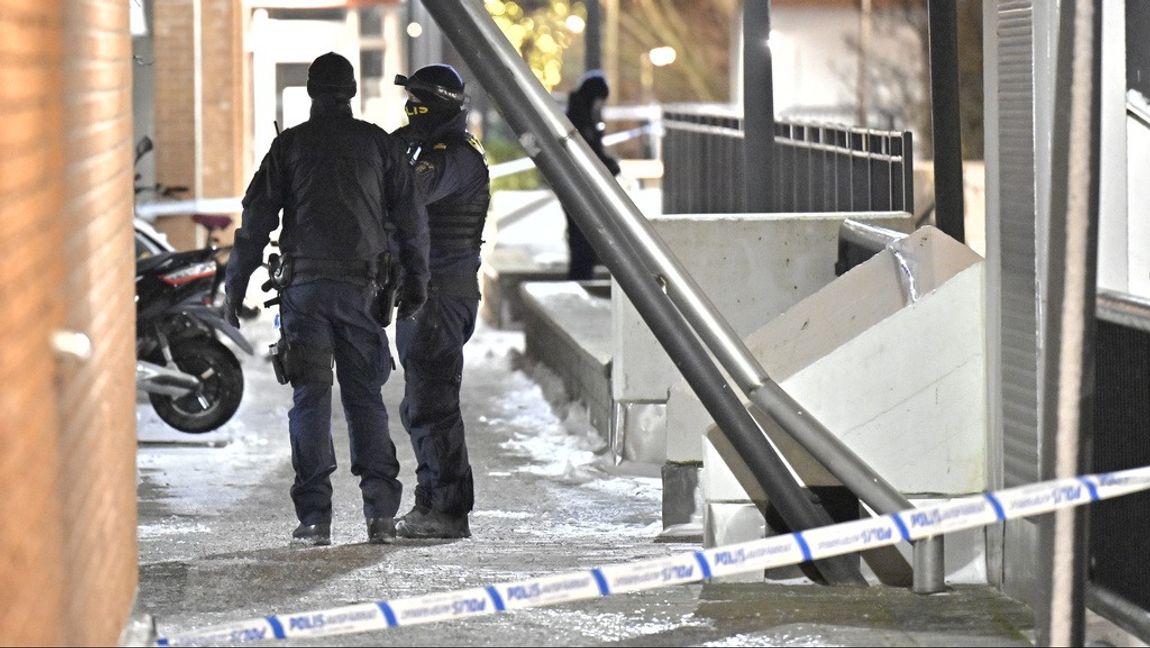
x=215, y=518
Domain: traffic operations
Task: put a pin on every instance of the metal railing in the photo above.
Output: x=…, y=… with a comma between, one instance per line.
x=819, y=167
x=1119, y=580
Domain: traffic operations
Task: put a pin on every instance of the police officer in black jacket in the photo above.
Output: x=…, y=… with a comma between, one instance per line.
x=451, y=172
x=342, y=184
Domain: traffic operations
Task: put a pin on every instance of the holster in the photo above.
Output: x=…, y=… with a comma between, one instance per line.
x=280, y=271
x=301, y=365
x=281, y=351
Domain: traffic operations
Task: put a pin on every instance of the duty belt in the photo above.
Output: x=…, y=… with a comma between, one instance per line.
x=466, y=286
x=353, y=270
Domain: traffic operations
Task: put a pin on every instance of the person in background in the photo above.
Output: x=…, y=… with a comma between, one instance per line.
x=451, y=172
x=585, y=110
x=342, y=184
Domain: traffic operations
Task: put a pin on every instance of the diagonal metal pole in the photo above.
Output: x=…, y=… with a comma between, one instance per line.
x=580, y=179
x=549, y=138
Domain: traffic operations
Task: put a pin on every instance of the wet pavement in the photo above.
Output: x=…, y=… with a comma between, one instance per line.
x=215, y=519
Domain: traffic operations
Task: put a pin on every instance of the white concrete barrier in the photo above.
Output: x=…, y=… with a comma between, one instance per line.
x=895, y=368
x=752, y=267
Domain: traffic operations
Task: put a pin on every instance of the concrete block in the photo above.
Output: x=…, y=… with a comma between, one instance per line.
x=638, y=431
x=567, y=328
x=682, y=496
x=885, y=365
x=751, y=266
x=727, y=523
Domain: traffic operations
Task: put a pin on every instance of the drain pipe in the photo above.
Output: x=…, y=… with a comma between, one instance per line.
x=577, y=177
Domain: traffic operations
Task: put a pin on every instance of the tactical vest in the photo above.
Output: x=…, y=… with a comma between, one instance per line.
x=457, y=221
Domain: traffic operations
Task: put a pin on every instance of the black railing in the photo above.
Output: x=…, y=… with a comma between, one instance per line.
x=1119, y=572
x=819, y=167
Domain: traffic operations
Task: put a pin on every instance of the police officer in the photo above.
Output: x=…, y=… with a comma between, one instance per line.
x=341, y=183
x=451, y=172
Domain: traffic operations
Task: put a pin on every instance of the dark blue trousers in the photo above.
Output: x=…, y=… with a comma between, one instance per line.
x=334, y=317
x=431, y=352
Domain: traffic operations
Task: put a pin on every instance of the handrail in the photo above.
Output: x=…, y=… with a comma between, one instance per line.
x=519, y=165
x=873, y=238
x=1124, y=309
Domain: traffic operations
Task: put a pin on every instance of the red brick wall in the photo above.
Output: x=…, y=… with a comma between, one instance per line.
x=31, y=197
x=97, y=397
x=175, y=100
x=68, y=549
x=221, y=105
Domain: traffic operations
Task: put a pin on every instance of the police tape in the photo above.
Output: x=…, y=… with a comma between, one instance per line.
x=776, y=551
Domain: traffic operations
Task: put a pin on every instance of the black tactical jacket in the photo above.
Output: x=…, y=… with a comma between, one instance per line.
x=338, y=180
x=451, y=172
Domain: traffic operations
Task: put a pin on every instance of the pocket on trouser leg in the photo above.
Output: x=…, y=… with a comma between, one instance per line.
x=306, y=366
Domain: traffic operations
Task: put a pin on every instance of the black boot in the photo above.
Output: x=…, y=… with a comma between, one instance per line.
x=381, y=530
x=312, y=534
x=425, y=523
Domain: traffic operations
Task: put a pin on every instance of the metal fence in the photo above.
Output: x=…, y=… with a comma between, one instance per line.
x=818, y=167
x=1119, y=572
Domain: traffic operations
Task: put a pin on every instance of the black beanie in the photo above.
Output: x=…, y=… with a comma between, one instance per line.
x=331, y=74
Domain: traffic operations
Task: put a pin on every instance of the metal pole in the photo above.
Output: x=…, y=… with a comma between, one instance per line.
x=535, y=115
x=863, y=89
x=947, y=125
x=581, y=181
x=592, y=37
x=758, y=108
x=1071, y=279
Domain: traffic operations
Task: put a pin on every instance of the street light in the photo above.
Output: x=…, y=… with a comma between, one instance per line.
x=648, y=61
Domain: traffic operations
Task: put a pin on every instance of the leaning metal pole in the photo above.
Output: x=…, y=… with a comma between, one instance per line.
x=580, y=180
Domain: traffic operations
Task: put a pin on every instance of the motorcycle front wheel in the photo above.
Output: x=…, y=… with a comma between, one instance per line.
x=221, y=387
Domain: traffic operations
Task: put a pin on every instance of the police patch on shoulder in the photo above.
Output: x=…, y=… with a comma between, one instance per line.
x=474, y=142
x=424, y=167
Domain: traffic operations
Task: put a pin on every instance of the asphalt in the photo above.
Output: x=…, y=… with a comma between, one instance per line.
x=215, y=520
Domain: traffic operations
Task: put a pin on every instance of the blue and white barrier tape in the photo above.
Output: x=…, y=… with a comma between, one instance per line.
x=776, y=551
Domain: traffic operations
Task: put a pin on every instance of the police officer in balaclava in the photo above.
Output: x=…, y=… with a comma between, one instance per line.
x=451, y=171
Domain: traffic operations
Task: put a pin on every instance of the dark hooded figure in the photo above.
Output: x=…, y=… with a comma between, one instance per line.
x=342, y=185
x=585, y=110
x=451, y=172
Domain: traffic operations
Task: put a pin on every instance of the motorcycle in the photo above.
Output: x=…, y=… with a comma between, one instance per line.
x=194, y=382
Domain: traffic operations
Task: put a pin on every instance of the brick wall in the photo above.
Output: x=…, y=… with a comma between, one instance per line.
x=68, y=549
x=221, y=108
x=175, y=100
x=97, y=398
x=31, y=196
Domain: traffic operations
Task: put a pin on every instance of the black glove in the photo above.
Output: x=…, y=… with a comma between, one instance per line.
x=412, y=295
x=231, y=311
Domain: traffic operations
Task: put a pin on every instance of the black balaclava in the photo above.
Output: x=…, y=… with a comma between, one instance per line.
x=439, y=89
